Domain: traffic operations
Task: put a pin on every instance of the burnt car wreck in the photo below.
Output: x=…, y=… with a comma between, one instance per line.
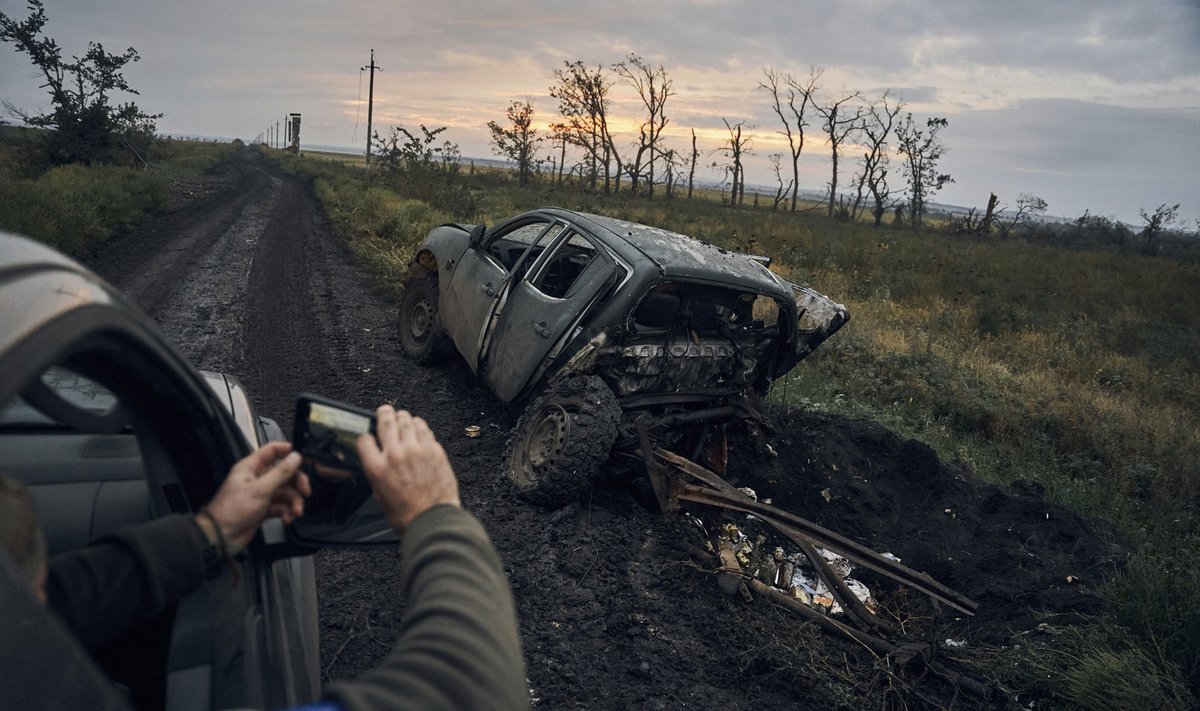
x=636, y=351
x=603, y=328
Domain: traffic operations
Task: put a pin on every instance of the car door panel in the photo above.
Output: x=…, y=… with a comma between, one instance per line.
x=471, y=295
x=532, y=322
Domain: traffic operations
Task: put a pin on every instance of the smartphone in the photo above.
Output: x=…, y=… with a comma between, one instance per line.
x=326, y=433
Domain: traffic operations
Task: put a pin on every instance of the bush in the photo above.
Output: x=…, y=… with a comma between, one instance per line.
x=75, y=208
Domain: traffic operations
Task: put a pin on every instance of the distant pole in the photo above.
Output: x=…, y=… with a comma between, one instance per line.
x=370, y=105
x=277, y=134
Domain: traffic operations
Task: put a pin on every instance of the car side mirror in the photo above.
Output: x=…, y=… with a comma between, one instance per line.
x=477, y=233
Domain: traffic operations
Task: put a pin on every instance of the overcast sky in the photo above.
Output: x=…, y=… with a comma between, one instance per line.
x=1089, y=104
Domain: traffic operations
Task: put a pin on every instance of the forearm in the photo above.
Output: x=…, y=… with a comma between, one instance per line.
x=103, y=589
x=458, y=645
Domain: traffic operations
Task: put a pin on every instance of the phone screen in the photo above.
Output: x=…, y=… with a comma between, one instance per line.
x=327, y=433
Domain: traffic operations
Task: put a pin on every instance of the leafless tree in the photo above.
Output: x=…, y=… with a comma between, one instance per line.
x=519, y=140
x=692, y=172
x=560, y=136
x=582, y=95
x=922, y=149
x=781, y=190
x=653, y=88
x=673, y=165
x=1028, y=205
x=872, y=177
x=1157, y=223
x=799, y=99
x=735, y=149
x=840, y=121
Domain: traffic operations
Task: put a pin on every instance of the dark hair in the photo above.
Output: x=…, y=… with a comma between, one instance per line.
x=20, y=534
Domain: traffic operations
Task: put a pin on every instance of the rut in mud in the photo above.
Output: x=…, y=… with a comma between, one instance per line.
x=245, y=277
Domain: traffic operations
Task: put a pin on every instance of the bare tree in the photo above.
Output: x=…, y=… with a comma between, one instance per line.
x=692, y=171
x=1157, y=223
x=839, y=124
x=735, y=149
x=799, y=99
x=518, y=141
x=560, y=136
x=673, y=164
x=653, y=87
x=1028, y=205
x=922, y=149
x=582, y=95
x=782, y=190
x=872, y=177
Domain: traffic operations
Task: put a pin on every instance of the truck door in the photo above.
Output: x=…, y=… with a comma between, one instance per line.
x=539, y=309
x=482, y=277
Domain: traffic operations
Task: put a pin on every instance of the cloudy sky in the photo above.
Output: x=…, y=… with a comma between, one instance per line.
x=1089, y=104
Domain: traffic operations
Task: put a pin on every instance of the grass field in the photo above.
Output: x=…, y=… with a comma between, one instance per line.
x=76, y=208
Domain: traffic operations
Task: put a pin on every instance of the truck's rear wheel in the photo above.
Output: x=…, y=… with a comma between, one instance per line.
x=562, y=440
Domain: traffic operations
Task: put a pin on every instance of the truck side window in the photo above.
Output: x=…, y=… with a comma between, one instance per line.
x=557, y=276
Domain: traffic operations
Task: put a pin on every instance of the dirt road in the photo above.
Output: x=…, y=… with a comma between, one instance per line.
x=244, y=275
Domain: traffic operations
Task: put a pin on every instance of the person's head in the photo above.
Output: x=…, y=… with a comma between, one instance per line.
x=20, y=535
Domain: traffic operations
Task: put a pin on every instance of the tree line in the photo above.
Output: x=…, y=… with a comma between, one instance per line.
x=583, y=145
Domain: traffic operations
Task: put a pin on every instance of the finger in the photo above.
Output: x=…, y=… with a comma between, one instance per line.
x=261, y=459
x=302, y=484
x=422, y=430
x=385, y=427
x=281, y=472
x=370, y=453
x=405, y=425
x=289, y=499
x=280, y=511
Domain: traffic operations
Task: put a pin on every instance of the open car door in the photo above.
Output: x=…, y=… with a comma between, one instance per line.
x=539, y=310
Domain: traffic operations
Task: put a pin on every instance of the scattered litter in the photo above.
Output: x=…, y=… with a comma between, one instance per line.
x=1071, y=580
x=891, y=556
x=367, y=330
x=771, y=451
x=792, y=573
x=749, y=492
x=471, y=430
x=366, y=370
x=956, y=642
x=826, y=495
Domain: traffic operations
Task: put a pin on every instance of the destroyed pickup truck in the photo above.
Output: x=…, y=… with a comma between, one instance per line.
x=615, y=334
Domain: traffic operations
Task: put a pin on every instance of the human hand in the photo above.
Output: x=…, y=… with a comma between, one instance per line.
x=265, y=483
x=407, y=468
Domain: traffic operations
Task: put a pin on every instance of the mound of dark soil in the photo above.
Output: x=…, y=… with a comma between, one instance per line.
x=1017, y=555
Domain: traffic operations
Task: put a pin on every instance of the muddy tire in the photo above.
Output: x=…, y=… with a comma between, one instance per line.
x=421, y=334
x=562, y=440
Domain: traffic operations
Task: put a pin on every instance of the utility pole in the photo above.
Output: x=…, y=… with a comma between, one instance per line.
x=370, y=105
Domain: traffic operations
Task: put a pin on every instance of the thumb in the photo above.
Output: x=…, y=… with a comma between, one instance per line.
x=281, y=472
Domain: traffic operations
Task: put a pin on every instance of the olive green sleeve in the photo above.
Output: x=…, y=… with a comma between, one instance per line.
x=458, y=645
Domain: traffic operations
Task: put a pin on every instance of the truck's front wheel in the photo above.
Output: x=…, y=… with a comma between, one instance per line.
x=421, y=333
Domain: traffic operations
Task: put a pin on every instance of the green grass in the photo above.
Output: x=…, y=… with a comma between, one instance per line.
x=76, y=208
x=1077, y=369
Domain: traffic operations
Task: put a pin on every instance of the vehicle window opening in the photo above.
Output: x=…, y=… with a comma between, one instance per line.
x=518, y=248
x=702, y=310
x=557, y=276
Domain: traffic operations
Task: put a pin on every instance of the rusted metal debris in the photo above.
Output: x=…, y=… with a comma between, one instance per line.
x=677, y=480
